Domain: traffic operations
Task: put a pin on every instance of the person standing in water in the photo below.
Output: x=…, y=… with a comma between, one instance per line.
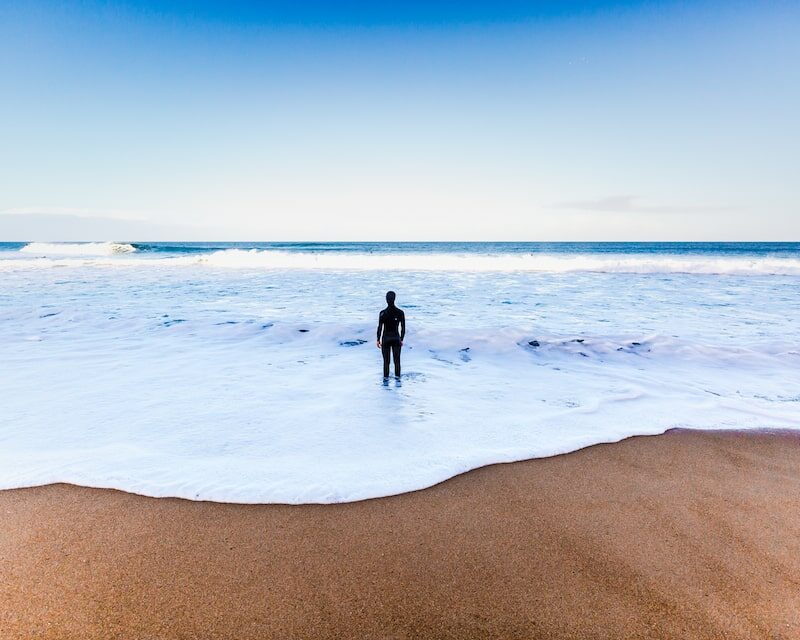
x=390, y=334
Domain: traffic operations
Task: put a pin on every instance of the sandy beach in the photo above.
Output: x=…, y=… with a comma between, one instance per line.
x=685, y=535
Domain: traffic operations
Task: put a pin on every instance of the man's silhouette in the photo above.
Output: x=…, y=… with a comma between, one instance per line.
x=390, y=335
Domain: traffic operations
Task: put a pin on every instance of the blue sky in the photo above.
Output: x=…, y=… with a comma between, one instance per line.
x=401, y=121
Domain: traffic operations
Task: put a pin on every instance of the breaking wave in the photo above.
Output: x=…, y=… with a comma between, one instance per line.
x=77, y=248
x=120, y=254
x=710, y=265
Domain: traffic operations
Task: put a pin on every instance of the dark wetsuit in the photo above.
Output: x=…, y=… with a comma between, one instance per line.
x=391, y=331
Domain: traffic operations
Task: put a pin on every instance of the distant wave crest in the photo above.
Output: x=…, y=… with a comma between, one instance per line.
x=711, y=265
x=65, y=255
x=78, y=248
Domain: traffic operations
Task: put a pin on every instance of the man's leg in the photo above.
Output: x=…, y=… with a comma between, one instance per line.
x=396, y=357
x=385, y=351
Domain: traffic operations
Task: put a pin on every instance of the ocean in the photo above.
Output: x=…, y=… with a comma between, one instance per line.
x=248, y=372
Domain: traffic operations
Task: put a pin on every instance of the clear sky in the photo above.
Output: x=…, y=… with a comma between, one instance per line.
x=400, y=120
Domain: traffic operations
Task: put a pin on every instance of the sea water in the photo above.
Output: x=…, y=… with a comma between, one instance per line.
x=249, y=372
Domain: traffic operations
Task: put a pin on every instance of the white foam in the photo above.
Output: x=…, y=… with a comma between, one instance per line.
x=58, y=255
x=77, y=249
x=262, y=384
x=238, y=258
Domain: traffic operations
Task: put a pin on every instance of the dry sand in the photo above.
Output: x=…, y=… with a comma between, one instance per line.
x=686, y=535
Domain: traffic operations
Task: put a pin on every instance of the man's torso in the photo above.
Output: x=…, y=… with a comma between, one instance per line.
x=391, y=317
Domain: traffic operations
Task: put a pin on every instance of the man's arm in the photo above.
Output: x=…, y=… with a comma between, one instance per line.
x=380, y=326
x=403, y=322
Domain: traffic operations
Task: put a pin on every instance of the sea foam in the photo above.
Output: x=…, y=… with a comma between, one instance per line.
x=60, y=255
x=77, y=249
x=254, y=258
x=228, y=377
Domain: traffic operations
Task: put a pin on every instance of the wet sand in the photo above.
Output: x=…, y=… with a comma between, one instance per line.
x=685, y=535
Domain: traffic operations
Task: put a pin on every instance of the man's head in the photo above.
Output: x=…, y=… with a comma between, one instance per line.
x=390, y=296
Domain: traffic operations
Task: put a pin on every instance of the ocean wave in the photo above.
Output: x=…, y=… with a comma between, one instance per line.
x=78, y=248
x=76, y=255
x=266, y=259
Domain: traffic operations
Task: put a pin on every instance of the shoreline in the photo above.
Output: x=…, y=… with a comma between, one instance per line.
x=684, y=534
x=778, y=432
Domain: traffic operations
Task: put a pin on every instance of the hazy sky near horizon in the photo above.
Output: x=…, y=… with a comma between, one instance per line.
x=402, y=121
